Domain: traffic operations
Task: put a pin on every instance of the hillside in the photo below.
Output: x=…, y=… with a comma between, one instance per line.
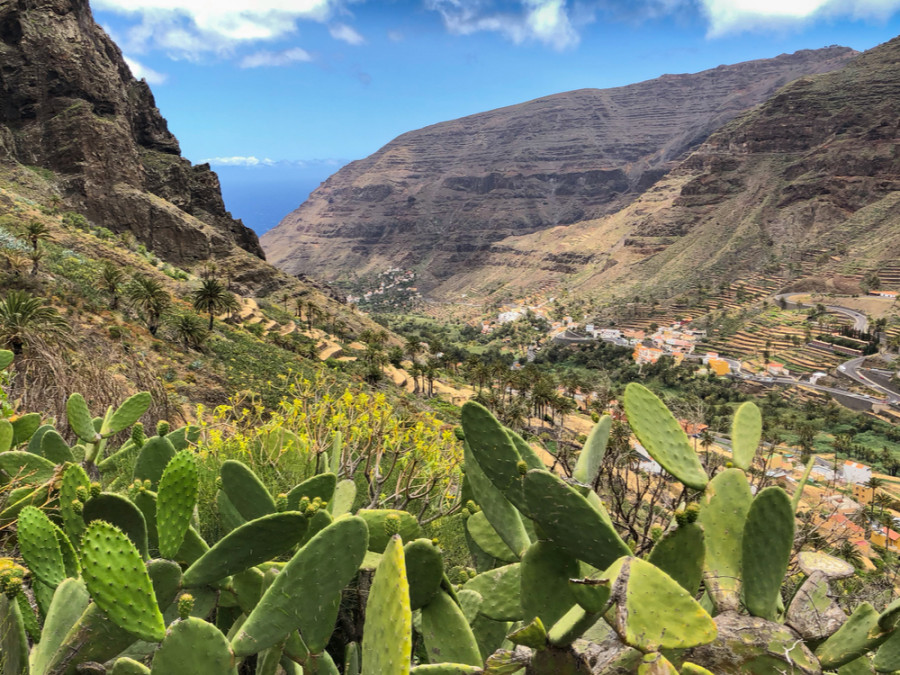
x=438, y=199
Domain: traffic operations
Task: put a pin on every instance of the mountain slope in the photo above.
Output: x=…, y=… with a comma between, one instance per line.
x=437, y=198
x=69, y=104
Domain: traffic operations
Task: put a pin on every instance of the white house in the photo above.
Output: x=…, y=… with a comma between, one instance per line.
x=506, y=317
x=854, y=472
x=647, y=464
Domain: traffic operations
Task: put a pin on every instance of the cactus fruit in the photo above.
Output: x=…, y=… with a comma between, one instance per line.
x=571, y=522
x=588, y=465
x=767, y=541
x=155, y=454
x=723, y=512
x=118, y=582
x=193, y=647
x=162, y=428
x=424, y=571
x=122, y=513
x=500, y=589
x=502, y=515
x=80, y=420
x=387, y=635
x=680, y=554
x=662, y=436
x=447, y=635
x=185, y=605
x=321, y=485
x=175, y=502
x=69, y=601
x=138, y=437
x=250, y=544
x=249, y=496
x=321, y=568
x=40, y=549
x=746, y=430
x=653, y=611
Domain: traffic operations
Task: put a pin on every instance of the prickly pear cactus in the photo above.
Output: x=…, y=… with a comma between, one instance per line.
x=387, y=636
x=175, y=502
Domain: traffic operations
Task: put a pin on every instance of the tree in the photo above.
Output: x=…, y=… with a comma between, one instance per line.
x=874, y=483
x=211, y=297
x=36, y=232
x=110, y=281
x=188, y=328
x=26, y=320
x=150, y=297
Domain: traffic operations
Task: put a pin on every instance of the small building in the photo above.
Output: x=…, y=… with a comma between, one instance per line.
x=507, y=317
x=719, y=366
x=884, y=294
x=854, y=472
x=647, y=463
x=777, y=369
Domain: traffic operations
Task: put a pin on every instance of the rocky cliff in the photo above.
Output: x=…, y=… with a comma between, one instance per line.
x=440, y=198
x=69, y=104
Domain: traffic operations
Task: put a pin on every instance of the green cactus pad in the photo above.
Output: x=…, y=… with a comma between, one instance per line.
x=39, y=547
x=145, y=501
x=34, y=442
x=588, y=465
x=656, y=664
x=319, y=521
x=591, y=597
x=500, y=513
x=447, y=635
x=469, y=603
x=424, y=571
x=387, y=635
x=94, y=637
x=653, y=611
x=70, y=600
x=165, y=577
x=487, y=538
x=25, y=427
x=192, y=548
x=375, y=520
x=831, y=567
x=532, y=635
x=321, y=486
x=545, y=572
x=6, y=358
x=746, y=430
x=680, y=554
x=570, y=522
x=118, y=582
x=193, y=647
x=155, y=454
x=858, y=635
x=344, y=496
x=253, y=543
x=245, y=490
x=122, y=513
x=500, y=589
x=526, y=452
x=813, y=613
x=445, y=669
x=861, y=666
x=229, y=516
x=183, y=437
x=571, y=626
x=175, y=502
x=13, y=640
x=694, y=669
x=70, y=558
x=723, y=512
x=6, y=435
x=129, y=412
x=662, y=436
x=55, y=449
x=80, y=420
x=126, y=666
x=493, y=450
x=767, y=542
x=321, y=569
x=26, y=466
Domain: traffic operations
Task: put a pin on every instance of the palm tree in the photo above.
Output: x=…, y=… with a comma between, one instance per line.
x=149, y=296
x=36, y=256
x=36, y=232
x=189, y=329
x=26, y=320
x=706, y=442
x=874, y=483
x=211, y=297
x=111, y=280
x=299, y=304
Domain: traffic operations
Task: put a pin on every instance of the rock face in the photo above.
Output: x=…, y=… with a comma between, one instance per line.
x=69, y=103
x=438, y=198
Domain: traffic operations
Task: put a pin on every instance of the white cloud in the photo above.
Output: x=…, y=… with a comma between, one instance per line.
x=283, y=58
x=734, y=16
x=544, y=21
x=343, y=32
x=142, y=72
x=191, y=28
x=395, y=36
x=237, y=161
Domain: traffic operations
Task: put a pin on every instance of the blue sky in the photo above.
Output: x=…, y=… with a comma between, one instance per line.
x=315, y=82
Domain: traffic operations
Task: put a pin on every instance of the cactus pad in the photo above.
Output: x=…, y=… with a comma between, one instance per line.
x=569, y=521
x=122, y=513
x=424, y=571
x=588, y=465
x=26, y=466
x=6, y=435
x=493, y=450
x=245, y=490
x=387, y=636
x=746, y=430
x=545, y=572
x=656, y=664
x=69, y=601
x=155, y=454
x=767, y=542
x=194, y=647
x=500, y=589
x=80, y=420
x=55, y=449
x=321, y=486
x=344, y=496
x=812, y=612
x=118, y=581
x=488, y=539
x=831, y=567
x=251, y=544
x=129, y=412
x=680, y=554
x=126, y=666
x=447, y=635
x=40, y=549
x=175, y=502
x=321, y=569
x=858, y=635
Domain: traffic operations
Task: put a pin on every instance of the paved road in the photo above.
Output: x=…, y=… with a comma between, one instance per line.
x=860, y=321
x=851, y=370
